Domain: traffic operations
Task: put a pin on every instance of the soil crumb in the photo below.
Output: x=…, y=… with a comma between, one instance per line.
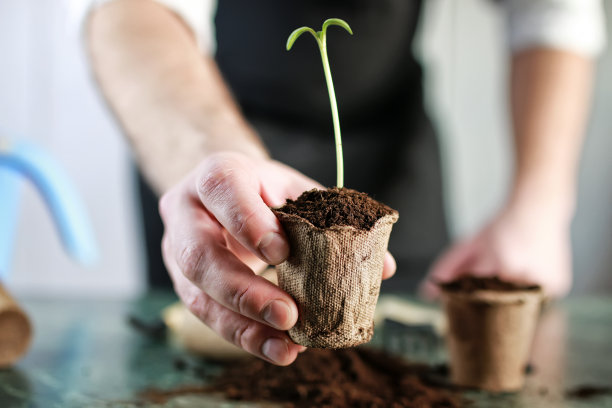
x=334, y=206
x=588, y=391
x=328, y=379
x=154, y=328
x=472, y=284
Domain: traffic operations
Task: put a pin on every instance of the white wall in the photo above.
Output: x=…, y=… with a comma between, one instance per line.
x=46, y=94
x=592, y=229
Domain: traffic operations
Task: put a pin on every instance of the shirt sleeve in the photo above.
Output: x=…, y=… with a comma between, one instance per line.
x=198, y=15
x=573, y=25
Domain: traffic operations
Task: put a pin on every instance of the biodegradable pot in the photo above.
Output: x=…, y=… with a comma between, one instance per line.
x=490, y=336
x=334, y=275
x=15, y=330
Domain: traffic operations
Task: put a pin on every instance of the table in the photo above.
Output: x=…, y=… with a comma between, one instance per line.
x=84, y=354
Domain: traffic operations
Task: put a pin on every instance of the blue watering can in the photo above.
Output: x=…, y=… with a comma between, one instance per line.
x=23, y=160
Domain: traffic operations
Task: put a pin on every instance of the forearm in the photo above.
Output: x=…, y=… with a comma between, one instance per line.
x=170, y=100
x=550, y=93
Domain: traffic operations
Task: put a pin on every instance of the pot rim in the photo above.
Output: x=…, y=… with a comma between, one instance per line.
x=384, y=220
x=493, y=296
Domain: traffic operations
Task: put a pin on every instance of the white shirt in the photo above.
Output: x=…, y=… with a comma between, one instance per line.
x=572, y=25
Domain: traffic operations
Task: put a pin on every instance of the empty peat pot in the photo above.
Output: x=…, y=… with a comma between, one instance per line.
x=334, y=275
x=15, y=330
x=490, y=334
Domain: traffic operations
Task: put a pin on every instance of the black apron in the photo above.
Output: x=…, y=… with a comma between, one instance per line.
x=390, y=149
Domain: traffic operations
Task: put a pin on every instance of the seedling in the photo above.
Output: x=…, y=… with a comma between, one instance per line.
x=321, y=38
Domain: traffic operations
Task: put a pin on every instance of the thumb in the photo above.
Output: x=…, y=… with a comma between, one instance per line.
x=447, y=267
x=230, y=190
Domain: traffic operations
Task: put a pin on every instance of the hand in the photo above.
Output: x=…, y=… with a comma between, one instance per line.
x=524, y=244
x=218, y=231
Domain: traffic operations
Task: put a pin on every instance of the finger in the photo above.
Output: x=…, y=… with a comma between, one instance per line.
x=247, y=257
x=215, y=270
x=197, y=247
x=551, y=287
x=449, y=266
x=389, y=266
x=484, y=265
x=254, y=337
x=263, y=341
x=429, y=290
x=231, y=192
x=557, y=289
x=275, y=194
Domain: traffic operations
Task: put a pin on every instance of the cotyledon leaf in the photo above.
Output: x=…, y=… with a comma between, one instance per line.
x=338, y=22
x=297, y=32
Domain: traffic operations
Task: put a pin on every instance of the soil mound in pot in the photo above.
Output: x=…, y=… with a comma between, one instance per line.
x=334, y=206
x=471, y=284
x=336, y=378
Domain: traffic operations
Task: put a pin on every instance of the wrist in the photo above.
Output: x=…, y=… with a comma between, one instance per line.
x=542, y=196
x=227, y=131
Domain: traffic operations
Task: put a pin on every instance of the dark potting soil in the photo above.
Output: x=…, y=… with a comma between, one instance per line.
x=326, y=208
x=356, y=377
x=588, y=391
x=153, y=328
x=471, y=284
x=341, y=378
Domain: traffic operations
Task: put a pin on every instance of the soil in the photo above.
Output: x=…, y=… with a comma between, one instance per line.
x=154, y=329
x=356, y=377
x=588, y=391
x=334, y=206
x=471, y=284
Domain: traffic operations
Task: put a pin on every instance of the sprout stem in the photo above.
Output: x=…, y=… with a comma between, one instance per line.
x=335, y=117
x=321, y=38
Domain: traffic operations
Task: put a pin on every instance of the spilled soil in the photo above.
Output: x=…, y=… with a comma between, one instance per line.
x=328, y=379
x=588, y=391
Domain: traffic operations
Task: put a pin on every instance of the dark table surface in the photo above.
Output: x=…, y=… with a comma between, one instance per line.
x=84, y=354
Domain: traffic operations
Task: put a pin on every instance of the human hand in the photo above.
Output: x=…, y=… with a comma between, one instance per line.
x=524, y=244
x=218, y=231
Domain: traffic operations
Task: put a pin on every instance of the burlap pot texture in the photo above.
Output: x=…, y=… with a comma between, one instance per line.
x=334, y=275
x=490, y=336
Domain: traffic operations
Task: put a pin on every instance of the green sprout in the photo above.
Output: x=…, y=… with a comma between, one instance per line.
x=321, y=38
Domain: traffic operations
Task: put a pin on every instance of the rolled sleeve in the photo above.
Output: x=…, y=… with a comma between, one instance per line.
x=198, y=16
x=573, y=25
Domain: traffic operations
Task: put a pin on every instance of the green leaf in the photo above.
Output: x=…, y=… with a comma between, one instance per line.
x=297, y=32
x=337, y=22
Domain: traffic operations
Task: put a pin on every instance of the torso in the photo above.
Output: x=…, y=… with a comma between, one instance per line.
x=389, y=145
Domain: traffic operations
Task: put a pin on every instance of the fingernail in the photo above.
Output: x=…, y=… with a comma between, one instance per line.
x=275, y=350
x=278, y=314
x=274, y=248
x=302, y=349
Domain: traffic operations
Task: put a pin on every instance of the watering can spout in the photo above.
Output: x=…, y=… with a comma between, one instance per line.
x=24, y=159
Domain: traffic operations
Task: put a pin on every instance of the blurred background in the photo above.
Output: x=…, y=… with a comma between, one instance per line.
x=47, y=95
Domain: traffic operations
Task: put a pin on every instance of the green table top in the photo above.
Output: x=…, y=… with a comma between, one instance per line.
x=84, y=354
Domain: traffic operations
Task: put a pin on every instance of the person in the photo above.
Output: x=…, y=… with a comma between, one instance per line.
x=210, y=104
